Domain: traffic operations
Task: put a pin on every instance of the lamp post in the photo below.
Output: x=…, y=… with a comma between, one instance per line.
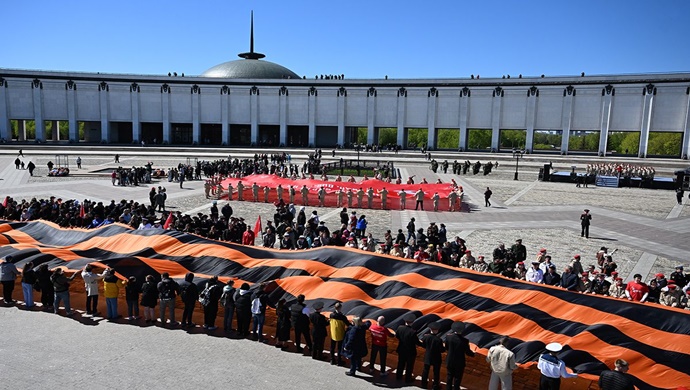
x=517, y=154
x=358, y=169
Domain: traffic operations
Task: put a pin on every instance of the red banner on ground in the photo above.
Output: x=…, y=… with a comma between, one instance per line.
x=332, y=197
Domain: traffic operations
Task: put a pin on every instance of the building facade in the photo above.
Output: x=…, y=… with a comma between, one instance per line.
x=125, y=109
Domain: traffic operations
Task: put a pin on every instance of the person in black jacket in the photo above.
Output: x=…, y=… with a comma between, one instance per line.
x=189, y=294
x=167, y=291
x=61, y=287
x=46, y=287
x=29, y=278
x=300, y=322
x=616, y=379
x=132, y=291
x=457, y=347
x=355, y=344
x=283, y=326
x=407, y=348
x=243, y=309
x=318, y=331
x=434, y=348
x=569, y=280
x=213, y=291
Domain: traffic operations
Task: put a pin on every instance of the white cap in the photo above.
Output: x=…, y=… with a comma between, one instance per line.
x=554, y=347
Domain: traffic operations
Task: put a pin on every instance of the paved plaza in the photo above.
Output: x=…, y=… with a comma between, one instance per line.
x=650, y=231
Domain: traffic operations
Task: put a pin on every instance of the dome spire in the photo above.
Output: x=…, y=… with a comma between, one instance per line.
x=251, y=55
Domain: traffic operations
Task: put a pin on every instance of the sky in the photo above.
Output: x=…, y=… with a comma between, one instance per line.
x=360, y=39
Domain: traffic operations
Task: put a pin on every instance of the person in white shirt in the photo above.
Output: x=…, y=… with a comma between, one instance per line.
x=502, y=361
x=534, y=274
x=552, y=368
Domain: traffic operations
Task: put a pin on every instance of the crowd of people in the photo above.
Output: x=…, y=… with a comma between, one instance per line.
x=621, y=170
x=297, y=229
x=463, y=167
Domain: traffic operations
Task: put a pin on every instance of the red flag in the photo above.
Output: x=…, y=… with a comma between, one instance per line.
x=82, y=213
x=168, y=221
x=257, y=226
x=4, y=202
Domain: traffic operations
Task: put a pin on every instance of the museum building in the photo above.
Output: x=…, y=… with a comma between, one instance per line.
x=254, y=102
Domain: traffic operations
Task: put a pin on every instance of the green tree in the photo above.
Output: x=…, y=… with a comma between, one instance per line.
x=388, y=135
x=417, y=136
x=362, y=135
x=547, y=140
x=513, y=139
x=664, y=144
x=630, y=144
x=479, y=138
x=587, y=141
x=448, y=139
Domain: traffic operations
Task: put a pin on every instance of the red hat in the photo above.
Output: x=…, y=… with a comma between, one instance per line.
x=521, y=263
x=671, y=286
x=577, y=256
x=396, y=245
x=619, y=279
x=585, y=273
x=468, y=251
x=614, y=273
x=659, y=275
x=542, y=250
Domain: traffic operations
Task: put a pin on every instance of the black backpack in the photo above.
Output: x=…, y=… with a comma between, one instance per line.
x=165, y=290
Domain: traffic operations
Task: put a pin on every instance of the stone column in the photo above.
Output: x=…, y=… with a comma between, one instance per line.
x=463, y=117
x=567, y=117
x=342, y=95
x=312, y=117
x=607, y=96
x=56, y=131
x=225, y=114
x=37, y=87
x=196, y=123
x=282, y=114
x=72, y=111
x=431, y=117
x=103, y=89
x=5, y=124
x=496, y=118
x=254, y=114
x=136, y=122
x=686, y=133
x=21, y=130
x=649, y=92
x=531, y=117
x=165, y=106
x=402, y=107
x=371, y=114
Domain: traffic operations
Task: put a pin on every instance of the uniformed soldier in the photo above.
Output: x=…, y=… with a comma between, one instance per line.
x=305, y=195
x=240, y=191
x=360, y=195
x=435, y=198
x=255, y=192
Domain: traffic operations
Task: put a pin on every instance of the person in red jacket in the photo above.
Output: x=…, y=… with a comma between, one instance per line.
x=379, y=343
x=248, y=237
